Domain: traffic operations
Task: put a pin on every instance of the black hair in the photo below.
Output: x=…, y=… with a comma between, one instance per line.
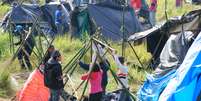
x=96, y=68
x=121, y=59
x=59, y=6
x=51, y=46
x=55, y=54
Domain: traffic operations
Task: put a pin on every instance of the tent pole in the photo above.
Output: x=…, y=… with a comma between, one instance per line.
x=123, y=30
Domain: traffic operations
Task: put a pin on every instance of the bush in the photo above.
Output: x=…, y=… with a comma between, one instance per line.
x=5, y=84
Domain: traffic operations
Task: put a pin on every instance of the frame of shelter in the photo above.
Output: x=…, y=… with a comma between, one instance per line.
x=70, y=67
x=38, y=46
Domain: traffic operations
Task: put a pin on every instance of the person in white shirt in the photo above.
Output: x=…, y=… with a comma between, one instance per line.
x=122, y=73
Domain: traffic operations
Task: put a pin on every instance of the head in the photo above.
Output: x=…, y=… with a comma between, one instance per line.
x=122, y=60
x=96, y=68
x=59, y=7
x=18, y=29
x=56, y=55
x=51, y=48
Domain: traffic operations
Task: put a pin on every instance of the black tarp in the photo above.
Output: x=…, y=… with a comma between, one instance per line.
x=158, y=35
x=109, y=16
x=27, y=14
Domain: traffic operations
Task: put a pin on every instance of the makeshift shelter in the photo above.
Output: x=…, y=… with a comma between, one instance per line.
x=179, y=34
x=34, y=89
x=108, y=15
x=27, y=14
x=159, y=34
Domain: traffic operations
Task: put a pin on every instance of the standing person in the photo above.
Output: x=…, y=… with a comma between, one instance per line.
x=74, y=22
x=152, y=12
x=95, y=78
x=122, y=70
x=58, y=19
x=53, y=76
x=50, y=50
x=47, y=56
x=104, y=65
x=25, y=52
x=178, y=3
x=123, y=76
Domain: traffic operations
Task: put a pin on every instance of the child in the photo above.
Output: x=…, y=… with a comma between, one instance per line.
x=122, y=70
x=95, y=78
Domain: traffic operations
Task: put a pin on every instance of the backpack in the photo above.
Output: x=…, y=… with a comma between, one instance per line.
x=48, y=73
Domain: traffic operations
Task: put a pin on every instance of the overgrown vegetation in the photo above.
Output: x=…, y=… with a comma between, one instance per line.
x=69, y=48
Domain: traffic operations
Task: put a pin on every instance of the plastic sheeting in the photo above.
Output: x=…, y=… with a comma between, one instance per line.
x=108, y=16
x=171, y=57
x=186, y=83
x=34, y=88
x=153, y=86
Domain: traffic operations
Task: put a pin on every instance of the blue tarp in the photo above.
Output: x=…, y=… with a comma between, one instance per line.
x=186, y=83
x=153, y=86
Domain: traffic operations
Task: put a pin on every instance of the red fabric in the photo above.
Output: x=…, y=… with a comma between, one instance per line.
x=95, y=81
x=153, y=5
x=121, y=74
x=136, y=4
x=34, y=88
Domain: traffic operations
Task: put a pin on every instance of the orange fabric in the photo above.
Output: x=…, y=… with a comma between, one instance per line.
x=34, y=88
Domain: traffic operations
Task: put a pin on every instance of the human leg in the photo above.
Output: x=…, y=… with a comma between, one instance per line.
x=20, y=59
x=95, y=97
x=54, y=95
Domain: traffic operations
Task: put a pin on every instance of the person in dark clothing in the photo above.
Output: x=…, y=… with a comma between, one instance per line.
x=58, y=19
x=74, y=22
x=53, y=78
x=48, y=55
x=25, y=52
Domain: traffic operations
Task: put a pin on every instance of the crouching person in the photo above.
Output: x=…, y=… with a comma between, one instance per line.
x=95, y=78
x=53, y=77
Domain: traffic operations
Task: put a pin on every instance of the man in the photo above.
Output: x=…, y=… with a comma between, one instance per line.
x=58, y=19
x=50, y=50
x=53, y=76
x=47, y=56
x=25, y=52
x=152, y=12
x=74, y=22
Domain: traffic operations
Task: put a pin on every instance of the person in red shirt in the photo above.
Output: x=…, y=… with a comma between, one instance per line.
x=136, y=4
x=95, y=78
x=152, y=12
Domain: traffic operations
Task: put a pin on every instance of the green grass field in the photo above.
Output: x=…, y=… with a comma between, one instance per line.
x=69, y=48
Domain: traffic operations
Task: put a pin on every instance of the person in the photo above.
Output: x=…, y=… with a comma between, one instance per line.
x=123, y=76
x=104, y=64
x=47, y=56
x=50, y=50
x=58, y=19
x=95, y=78
x=122, y=70
x=25, y=52
x=152, y=12
x=74, y=22
x=53, y=78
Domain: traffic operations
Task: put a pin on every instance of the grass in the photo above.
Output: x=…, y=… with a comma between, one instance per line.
x=69, y=48
x=172, y=10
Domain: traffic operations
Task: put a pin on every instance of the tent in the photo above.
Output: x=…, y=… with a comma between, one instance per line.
x=179, y=33
x=27, y=14
x=159, y=34
x=108, y=15
x=34, y=89
x=185, y=84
